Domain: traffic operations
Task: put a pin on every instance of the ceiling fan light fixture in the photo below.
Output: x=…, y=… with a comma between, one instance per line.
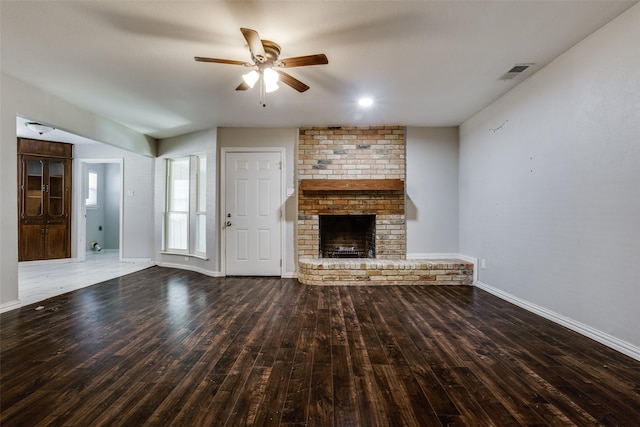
x=271, y=76
x=265, y=55
x=251, y=78
x=38, y=127
x=270, y=87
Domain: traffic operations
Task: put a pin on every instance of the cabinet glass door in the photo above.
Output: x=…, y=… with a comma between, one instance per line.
x=56, y=188
x=33, y=188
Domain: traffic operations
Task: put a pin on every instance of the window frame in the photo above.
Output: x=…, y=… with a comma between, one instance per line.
x=200, y=211
x=197, y=167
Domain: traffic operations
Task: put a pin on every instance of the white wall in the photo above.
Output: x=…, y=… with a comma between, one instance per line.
x=17, y=98
x=550, y=187
x=281, y=138
x=432, y=191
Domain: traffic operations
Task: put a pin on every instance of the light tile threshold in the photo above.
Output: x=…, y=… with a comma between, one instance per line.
x=39, y=280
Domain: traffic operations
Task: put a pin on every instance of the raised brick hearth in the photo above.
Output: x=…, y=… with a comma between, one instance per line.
x=384, y=272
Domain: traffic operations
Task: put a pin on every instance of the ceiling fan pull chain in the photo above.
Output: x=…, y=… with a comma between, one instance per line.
x=263, y=92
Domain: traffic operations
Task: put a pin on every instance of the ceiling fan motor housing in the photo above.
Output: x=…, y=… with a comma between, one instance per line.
x=272, y=51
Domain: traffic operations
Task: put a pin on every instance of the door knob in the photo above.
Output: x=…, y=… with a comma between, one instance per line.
x=228, y=223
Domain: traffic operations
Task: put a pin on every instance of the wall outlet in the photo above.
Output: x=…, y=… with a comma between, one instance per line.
x=483, y=264
x=186, y=259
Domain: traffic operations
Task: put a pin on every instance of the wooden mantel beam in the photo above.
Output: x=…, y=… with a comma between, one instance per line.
x=351, y=185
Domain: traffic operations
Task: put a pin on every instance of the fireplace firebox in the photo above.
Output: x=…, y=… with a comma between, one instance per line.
x=347, y=236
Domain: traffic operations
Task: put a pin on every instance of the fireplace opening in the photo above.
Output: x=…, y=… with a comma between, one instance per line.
x=347, y=236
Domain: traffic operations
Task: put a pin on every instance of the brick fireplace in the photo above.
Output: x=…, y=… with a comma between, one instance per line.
x=347, y=236
x=370, y=155
x=360, y=171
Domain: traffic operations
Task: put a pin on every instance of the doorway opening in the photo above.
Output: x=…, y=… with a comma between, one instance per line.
x=100, y=207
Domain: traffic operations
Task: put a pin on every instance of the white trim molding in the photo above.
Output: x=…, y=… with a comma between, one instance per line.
x=586, y=330
x=195, y=269
x=11, y=305
x=433, y=256
x=138, y=260
x=210, y=273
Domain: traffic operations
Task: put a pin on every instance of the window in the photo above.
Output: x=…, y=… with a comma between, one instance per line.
x=178, y=205
x=201, y=207
x=186, y=205
x=92, y=190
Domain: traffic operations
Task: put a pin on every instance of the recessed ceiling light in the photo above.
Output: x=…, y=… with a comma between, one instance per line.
x=365, y=102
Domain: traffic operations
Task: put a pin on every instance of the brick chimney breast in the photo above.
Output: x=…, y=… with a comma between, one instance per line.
x=367, y=153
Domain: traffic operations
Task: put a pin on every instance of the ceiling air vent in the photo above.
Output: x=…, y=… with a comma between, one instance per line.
x=515, y=71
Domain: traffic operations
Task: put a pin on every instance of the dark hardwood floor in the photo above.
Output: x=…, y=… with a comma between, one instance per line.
x=170, y=347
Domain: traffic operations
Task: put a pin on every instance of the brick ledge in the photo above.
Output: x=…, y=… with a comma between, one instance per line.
x=366, y=271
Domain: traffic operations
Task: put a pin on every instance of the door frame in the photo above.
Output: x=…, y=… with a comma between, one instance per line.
x=81, y=209
x=223, y=199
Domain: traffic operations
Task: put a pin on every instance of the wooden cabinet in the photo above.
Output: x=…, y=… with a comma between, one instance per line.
x=44, y=199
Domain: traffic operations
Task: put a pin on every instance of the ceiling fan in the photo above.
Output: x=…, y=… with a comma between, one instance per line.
x=267, y=67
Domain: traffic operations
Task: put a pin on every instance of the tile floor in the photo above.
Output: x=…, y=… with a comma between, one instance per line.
x=39, y=280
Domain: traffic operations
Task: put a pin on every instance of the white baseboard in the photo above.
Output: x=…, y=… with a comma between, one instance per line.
x=290, y=275
x=465, y=258
x=11, y=305
x=50, y=261
x=433, y=256
x=137, y=260
x=191, y=268
x=586, y=330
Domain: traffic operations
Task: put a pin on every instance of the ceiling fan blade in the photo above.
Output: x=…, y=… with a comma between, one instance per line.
x=301, y=61
x=255, y=44
x=292, y=81
x=243, y=86
x=221, y=61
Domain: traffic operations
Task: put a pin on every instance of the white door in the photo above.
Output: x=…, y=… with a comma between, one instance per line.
x=252, y=213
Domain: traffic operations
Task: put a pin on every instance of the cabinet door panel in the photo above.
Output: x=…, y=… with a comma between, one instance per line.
x=32, y=238
x=55, y=189
x=33, y=188
x=57, y=241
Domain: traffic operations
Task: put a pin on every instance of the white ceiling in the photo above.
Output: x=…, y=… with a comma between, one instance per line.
x=425, y=63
